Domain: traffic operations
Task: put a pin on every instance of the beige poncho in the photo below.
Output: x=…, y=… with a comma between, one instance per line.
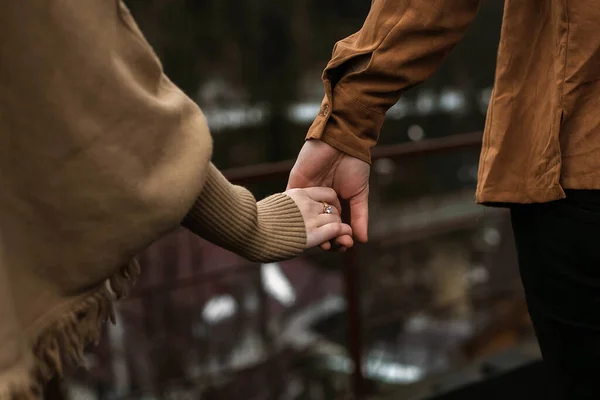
x=100, y=155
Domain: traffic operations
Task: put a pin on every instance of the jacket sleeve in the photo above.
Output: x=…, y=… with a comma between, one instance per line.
x=227, y=215
x=401, y=44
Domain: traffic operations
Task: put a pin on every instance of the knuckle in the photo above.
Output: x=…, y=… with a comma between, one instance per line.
x=337, y=229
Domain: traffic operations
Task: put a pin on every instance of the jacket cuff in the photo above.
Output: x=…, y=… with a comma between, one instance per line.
x=346, y=124
x=229, y=216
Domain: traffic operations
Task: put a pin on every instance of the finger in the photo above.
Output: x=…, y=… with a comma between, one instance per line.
x=345, y=241
x=336, y=246
x=324, y=219
x=325, y=246
x=337, y=249
x=359, y=213
x=317, y=208
x=325, y=194
x=334, y=209
x=327, y=232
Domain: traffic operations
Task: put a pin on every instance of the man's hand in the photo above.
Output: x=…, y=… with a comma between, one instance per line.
x=320, y=164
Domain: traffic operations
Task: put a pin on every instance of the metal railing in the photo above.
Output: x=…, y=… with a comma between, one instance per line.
x=350, y=273
x=256, y=173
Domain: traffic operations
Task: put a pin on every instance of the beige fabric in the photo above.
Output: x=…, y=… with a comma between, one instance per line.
x=229, y=216
x=100, y=154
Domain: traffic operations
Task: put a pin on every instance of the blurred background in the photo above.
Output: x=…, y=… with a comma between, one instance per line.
x=431, y=305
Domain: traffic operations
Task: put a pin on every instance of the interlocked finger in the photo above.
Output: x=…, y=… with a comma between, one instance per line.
x=324, y=219
x=323, y=194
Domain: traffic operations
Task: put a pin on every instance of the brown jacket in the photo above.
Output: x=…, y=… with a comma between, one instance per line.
x=543, y=126
x=100, y=155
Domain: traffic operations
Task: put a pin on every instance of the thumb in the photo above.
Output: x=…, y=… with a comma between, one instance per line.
x=359, y=215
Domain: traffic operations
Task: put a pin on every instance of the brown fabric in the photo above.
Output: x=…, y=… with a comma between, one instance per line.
x=542, y=126
x=100, y=155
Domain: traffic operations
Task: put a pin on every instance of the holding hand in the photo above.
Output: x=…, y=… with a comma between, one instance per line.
x=320, y=164
x=320, y=209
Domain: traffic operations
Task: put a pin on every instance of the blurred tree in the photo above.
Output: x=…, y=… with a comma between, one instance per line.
x=271, y=53
x=262, y=47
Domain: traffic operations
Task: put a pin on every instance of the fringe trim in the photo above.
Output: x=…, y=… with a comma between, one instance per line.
x=61, y=344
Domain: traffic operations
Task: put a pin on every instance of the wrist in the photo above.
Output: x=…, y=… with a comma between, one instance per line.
x=346, y=145
x=281, y=230
x=229, y=216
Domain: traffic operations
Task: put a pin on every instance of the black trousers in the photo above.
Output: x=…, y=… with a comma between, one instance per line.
x=558, y=246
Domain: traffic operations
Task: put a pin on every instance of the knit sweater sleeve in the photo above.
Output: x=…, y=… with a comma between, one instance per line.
x=229, y=216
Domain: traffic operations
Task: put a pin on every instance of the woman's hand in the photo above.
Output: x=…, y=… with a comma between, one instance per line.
x=321, y=227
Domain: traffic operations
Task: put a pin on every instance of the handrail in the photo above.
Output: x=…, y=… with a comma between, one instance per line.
x=260, y=172
x=253, y=173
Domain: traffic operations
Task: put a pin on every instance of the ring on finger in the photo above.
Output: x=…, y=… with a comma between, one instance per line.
x=327, y=209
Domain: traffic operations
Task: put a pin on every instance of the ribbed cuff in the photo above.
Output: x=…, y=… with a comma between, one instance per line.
x=229, y=216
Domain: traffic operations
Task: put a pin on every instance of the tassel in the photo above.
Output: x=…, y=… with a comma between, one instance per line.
x=62, y=344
